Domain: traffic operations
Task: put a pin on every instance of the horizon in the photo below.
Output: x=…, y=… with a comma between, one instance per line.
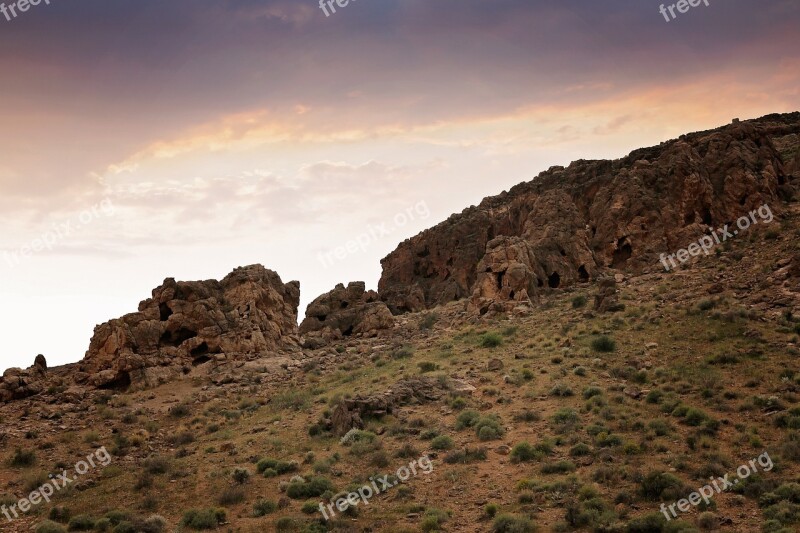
x=144, y=141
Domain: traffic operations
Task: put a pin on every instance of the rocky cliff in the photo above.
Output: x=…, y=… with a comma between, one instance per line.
x=249, y=312
x=569, y=224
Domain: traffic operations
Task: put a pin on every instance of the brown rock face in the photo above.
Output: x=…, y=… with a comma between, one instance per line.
x=346, y=311
x=249, y=312
x=570, y=224
x=16, y=383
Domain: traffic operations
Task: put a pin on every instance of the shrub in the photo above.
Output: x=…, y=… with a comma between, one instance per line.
x=428, y=320
x=662, y=486
x=276, y=467
x=490, y=510
x=489, y=428
x=231, y=496
x=23, y=458
x=604, y=344
x=81, y=523
x=203, y=518
x=264, y=507
x=578, y=302
x=427, y=366
x=491, y=340
x=465, y=456
x=179, y=411
x=591, y=392
x=59, y=514
x=442, y=442
x=241, y=476
x=467, y=419
x=157, y=465
x=314, y=487
x=50, y=527
x=558, y=467
x=506, y=523
x=433, y=519
x=524, y=451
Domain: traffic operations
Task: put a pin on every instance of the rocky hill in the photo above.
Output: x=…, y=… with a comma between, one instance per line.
x=570, y=224
x=527, y=365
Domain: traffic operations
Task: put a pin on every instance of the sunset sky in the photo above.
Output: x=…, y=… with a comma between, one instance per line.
x=184, y=138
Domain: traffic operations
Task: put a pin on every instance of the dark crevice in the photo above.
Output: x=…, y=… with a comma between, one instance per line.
x=554, y=280
x=164, y=311
x=622, y=253
x=121, y=382
x=176, y=338
x=583, y=275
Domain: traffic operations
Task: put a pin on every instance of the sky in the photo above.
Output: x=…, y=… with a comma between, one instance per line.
x=144, y=139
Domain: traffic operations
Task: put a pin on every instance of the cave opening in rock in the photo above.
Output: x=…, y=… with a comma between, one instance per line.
x=583, y=275
x=164, y=311
x=554, y=280
x=500, y=277
x=178, y=337
x=201, y=360
x=348, y=331
x=121, y=382
x=199, y=350
x=344, y=305
x=622, y=253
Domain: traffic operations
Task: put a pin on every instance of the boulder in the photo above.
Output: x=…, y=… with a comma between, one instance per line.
x=184, y=324
x=343, y=312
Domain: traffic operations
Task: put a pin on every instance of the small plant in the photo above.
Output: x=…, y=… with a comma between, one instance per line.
x=442, y=442
x=201, y=519
x=314, y=487
x=506, y=523
x=23, y=458
x=427, y=366
x=241, y=476
x=490, y=510
x=578, y=302
x=491, y=340
x=50, y=527
x=81, y=523
x=604, y=344
x=264, y=507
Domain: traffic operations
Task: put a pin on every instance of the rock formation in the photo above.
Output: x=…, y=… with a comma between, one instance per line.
x=249, y=312
x=344, y=312
x=570, y=224
x=17, y=383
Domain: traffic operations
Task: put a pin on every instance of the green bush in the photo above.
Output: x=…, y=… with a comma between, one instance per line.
x=314, y=487
x=578, y=302
x=442, y=442
x=506, y=523
x=491, y=340
x=23, y=458
x=489, y=428
x=467, y=419
x=264, y=507
x=50, y=527
x=81, y=523
x=203, y=518
x=662, y=486
x=604, y=344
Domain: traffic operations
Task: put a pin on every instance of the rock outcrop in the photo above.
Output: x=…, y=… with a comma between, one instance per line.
x=17, y=383
x=571, y=224
x=344, y=312
x=249, y=312
x=351, y=412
